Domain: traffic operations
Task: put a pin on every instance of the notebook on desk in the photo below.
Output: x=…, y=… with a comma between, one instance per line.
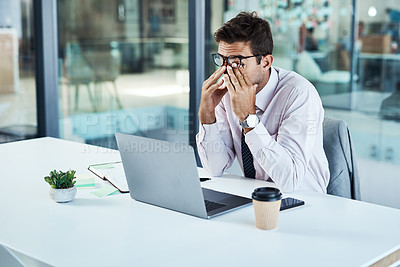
x=113, y=172
x=165, y=174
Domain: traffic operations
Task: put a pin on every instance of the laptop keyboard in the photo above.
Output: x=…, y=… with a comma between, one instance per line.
x=210, y=205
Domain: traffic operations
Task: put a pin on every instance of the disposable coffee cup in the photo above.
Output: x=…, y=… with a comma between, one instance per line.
x=266, y=203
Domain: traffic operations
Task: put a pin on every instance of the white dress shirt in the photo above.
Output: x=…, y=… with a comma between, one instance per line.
x=286, y=145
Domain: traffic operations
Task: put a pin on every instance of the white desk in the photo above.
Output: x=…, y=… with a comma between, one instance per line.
x=117, y=231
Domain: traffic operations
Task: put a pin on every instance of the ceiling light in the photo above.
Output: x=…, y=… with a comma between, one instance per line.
x=372, y=11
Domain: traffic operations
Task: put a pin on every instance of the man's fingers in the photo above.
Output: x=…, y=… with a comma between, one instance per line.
x=217, y=73
x=240, y=77
x=214, y=87
x=214, y=77
x=233, y=78
x=245, y=76
x=221, y=84
x=229, y=85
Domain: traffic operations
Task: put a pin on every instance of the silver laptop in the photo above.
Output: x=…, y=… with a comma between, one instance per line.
x=165, y=174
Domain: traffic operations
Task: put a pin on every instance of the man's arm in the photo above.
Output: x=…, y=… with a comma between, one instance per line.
x=214, y=140
x=215, y=144
x=212, y=92
x=285, y=157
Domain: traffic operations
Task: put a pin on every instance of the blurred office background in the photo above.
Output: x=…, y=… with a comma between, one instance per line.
x=123, y=65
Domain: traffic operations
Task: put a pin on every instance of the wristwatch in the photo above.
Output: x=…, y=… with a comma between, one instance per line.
x=250, y=122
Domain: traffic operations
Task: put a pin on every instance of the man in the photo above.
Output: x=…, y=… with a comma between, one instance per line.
x=270, y=118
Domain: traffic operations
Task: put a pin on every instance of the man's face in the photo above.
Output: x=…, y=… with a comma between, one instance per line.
x=254, y=70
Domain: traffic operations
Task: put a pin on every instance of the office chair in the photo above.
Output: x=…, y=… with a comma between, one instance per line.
x=79, y=72
x=105, y=61
x=344, y=180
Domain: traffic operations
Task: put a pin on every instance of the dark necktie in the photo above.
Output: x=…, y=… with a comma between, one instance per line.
x=247, y=157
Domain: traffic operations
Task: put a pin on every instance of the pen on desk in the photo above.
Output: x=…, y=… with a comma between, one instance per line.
x=202, y=179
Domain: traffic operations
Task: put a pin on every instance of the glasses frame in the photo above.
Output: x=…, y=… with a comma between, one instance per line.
x=228, y=58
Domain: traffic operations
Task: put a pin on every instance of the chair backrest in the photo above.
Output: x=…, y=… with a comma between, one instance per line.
x=105, y=62
x=79, y=70
x=97, y=63
x=339, y=151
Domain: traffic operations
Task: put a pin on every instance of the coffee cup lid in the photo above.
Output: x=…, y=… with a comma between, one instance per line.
x=267, y=194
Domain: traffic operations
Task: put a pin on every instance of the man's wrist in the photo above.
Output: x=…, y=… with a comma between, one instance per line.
x=244, y=115
x=207, y=119
x=208, y=122
x=246, y=130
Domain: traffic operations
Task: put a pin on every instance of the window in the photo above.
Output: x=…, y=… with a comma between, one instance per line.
x=125, y=68
x=17, y=71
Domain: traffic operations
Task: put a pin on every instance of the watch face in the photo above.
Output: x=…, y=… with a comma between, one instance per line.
x=252, y=120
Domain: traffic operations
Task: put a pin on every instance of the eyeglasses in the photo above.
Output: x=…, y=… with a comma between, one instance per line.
x=219, y=60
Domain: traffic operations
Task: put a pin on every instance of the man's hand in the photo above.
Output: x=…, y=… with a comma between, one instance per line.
x=241, y=91
x=211, y=95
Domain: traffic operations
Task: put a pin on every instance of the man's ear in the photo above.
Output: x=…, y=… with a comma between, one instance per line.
x=266, y=61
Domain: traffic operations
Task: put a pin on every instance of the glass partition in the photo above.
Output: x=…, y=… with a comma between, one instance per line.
x=353, y=61
x=376, y=110
x=17, y=71
x=124, y=69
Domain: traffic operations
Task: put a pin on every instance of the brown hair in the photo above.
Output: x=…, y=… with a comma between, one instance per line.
x=247, y=27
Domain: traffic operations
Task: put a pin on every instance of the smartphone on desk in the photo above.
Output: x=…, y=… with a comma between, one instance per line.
x=289, y=202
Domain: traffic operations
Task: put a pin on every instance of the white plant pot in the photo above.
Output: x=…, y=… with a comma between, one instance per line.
x=63, y=195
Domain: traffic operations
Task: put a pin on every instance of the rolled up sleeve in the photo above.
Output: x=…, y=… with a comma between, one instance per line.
x=215, y=146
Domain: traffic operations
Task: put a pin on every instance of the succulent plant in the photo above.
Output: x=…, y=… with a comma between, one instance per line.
x=61, y=180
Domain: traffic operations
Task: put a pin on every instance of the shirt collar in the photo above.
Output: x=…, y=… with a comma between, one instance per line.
x=265, y=95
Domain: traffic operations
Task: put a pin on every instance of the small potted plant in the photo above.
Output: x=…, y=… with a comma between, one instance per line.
x=62, y=185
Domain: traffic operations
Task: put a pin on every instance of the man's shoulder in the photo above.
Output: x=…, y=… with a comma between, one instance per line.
x=289, y=75
x=292, y=81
